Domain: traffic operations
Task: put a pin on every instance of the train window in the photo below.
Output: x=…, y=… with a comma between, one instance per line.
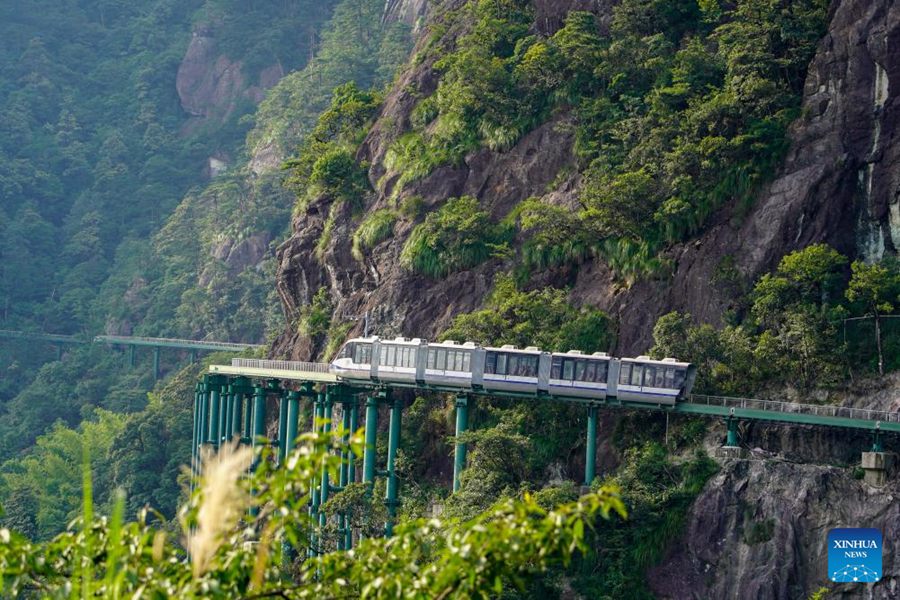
x=636, y=372
x=625, y=373
x=490, y=362
x=501, y=364
x=579, y=370
x=649, y=374
x=669, y=378
x=532, y=366
x=387, y=355
x=590, y=372
x=347, y=351
x=602, y=368
x=512, y=365
x=568, y=370
x=441, y=363
x=555, y=367
x=467, y=361
x=452, y=358
x=679, y=378
x=363, y=354
x=660, y=375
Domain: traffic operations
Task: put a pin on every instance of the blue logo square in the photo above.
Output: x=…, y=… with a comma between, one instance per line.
x=854, y=555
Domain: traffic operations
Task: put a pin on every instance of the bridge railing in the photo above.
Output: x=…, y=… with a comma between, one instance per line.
x=281, y=365
x=820, y=410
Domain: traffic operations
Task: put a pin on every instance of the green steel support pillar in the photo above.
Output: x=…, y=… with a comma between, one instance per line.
x=392, y=485
x=247, y=433
x=195, y=433
x=591, y=450
x=131, y=357
x=259, y=415
x=354, y=425
x=371, y=431
x=462, y=423
x=214, y=416
x=732, y=439
x=155, y=363
x=318, y=416
x=326, y=429
x=351, y=471
x=282, y=426
x=223, y=414
x=344, y=472
x=293, y=420
x=237, y=412
x=228, y=406
x=204, y=415
x=345, y=452
x=877, y=446
x=193, y=358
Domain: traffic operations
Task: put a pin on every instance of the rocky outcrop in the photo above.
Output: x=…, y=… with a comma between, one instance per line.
x=211, y=85
x=759, y=530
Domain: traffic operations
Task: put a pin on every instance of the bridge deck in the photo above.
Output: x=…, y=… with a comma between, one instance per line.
x=718, y=406
x=173, y=343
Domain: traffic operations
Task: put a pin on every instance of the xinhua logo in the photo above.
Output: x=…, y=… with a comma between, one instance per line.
x=854, y=555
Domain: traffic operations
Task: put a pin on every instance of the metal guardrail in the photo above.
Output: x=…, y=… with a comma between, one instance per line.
x=817, y=410
x=280, y=365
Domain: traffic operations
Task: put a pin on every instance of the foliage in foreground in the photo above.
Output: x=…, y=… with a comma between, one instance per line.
x=233, y=554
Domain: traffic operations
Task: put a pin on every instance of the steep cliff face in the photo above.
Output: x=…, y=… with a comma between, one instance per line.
x=838, y=184
x=759, y=531
x=210, y=85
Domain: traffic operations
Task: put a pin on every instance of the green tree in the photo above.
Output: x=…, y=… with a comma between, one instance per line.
x=877, y=288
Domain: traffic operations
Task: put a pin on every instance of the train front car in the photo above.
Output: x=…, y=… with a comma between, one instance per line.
x=643, y=379
x=354, y=361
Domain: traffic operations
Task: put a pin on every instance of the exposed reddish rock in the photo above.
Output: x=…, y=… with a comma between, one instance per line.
x=210, y=85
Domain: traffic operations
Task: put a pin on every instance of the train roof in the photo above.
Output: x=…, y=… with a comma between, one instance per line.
x=511, y=348
x=646, y=360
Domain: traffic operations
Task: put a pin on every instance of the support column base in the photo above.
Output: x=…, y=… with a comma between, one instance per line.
x=878, y=466
x=731, y=452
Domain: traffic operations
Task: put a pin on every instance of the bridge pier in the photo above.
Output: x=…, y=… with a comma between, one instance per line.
x=391, y=492
x=732, y=448
x=155, y=363
x=590, y=447
x=371, y=433
x=326, y=429
x=459, y=452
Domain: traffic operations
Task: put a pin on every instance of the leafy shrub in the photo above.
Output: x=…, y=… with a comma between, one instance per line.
x=457, y=236
x=315, y=317
x=542, y=318
x=376, y=227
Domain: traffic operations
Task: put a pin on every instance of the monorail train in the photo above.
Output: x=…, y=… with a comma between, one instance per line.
x=510, y=369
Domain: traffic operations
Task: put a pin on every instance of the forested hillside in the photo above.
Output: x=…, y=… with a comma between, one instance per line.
x=164, y=250
x=709, y=180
